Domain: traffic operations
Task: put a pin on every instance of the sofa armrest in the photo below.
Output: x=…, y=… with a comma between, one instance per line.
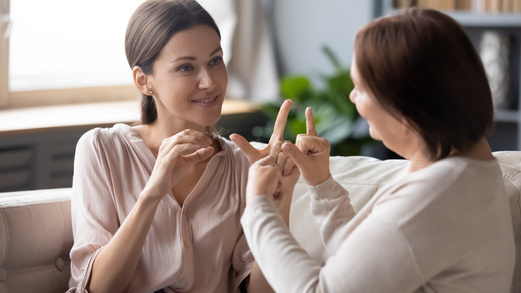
x=35, y=240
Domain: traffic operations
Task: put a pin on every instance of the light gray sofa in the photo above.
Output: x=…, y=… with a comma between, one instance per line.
x=36, y=233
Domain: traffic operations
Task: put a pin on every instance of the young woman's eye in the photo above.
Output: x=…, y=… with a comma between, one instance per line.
x=216, y=61
x=184, y=68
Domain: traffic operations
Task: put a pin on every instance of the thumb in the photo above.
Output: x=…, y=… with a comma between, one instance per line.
x=266, y=161
x=294, y=153
x=245, y=146
x=199, y=155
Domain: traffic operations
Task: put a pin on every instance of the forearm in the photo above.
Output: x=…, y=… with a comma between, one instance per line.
x=330, y=207
x=115, y=265
x=352, y=263
x=275, y=250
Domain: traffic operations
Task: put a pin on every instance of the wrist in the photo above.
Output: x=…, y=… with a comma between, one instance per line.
x=149, y=197
x=317, y=180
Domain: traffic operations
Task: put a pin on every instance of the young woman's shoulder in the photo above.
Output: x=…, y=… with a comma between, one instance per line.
x=99, y=138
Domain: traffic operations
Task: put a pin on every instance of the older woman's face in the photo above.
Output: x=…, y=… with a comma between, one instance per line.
x=382, y=125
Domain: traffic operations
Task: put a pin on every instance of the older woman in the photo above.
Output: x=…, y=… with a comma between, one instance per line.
x=444, y=225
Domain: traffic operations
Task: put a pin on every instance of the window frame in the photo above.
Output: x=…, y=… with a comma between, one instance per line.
x=5, y=23
x=49, y=97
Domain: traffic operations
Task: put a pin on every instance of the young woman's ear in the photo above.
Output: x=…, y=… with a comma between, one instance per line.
x=141, y=81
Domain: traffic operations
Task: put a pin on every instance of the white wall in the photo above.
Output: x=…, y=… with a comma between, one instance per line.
x=301, y=27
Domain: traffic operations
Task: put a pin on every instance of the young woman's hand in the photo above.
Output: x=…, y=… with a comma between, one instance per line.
x=310, y=153
x=265, y=178
x=274, y=146
x=177, y=154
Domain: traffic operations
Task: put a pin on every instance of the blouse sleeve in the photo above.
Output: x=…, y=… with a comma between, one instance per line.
x=330, y=207
x=242, y=261
x=94, y=218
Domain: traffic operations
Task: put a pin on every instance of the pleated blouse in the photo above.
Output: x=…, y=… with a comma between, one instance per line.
x=196, y=247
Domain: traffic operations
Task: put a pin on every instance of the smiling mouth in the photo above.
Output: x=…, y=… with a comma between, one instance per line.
x=205, y=101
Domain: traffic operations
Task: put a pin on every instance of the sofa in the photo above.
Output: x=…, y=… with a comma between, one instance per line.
x=36, y=233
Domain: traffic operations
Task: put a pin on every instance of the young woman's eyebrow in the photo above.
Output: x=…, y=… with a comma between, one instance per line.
x=215, y=51
x=192, y=58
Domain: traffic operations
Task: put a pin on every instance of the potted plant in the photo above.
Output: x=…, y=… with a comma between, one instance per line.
x=335, y=115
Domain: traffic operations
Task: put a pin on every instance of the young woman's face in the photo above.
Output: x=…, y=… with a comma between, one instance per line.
x=382, y=125
x=189, y=79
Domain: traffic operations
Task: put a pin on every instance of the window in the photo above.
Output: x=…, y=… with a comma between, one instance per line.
x=62, y=51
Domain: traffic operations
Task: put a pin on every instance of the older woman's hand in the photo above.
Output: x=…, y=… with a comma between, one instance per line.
x=310, y=153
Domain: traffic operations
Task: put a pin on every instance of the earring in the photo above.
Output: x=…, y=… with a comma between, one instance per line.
x=150, y=92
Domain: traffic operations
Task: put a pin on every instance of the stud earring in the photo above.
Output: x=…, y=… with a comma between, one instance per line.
x=150, y=92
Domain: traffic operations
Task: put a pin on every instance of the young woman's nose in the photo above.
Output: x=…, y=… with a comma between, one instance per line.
x=206, y=81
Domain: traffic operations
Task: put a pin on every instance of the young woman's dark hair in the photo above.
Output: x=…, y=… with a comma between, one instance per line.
x=146, y=36
x=422, y=67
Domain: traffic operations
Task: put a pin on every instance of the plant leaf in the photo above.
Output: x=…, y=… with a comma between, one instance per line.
x=294, y=86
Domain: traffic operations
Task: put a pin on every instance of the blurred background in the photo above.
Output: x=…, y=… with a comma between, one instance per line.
x=63, y=71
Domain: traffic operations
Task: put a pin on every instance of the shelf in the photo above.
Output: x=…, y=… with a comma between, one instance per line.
x=506, y=116
x=507, y=131
x=492, y=20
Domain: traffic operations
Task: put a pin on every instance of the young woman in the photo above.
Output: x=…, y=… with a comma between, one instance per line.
x=445, y=225
x=157, y=206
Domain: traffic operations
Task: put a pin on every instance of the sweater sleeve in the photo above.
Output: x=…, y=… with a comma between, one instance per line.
x=330, y=207
x=374, y=258
x=94, y=217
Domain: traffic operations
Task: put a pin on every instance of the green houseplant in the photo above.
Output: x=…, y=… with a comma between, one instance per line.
x=335, y=115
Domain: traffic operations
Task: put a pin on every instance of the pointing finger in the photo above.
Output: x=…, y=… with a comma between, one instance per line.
x=280, y=122
x=249, y=151
x=310, y=123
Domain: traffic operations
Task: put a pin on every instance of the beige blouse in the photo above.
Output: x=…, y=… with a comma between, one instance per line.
x=199, y=247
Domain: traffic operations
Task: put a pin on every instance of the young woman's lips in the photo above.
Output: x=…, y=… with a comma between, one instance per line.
x=207, y=101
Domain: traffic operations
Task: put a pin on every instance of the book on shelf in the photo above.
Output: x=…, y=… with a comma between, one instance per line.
x=479, y=6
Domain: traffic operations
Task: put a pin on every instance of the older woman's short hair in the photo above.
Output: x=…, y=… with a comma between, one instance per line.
x=422, y=67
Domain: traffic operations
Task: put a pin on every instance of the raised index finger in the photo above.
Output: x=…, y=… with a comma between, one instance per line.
x=280, y=122
x=310, y=123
